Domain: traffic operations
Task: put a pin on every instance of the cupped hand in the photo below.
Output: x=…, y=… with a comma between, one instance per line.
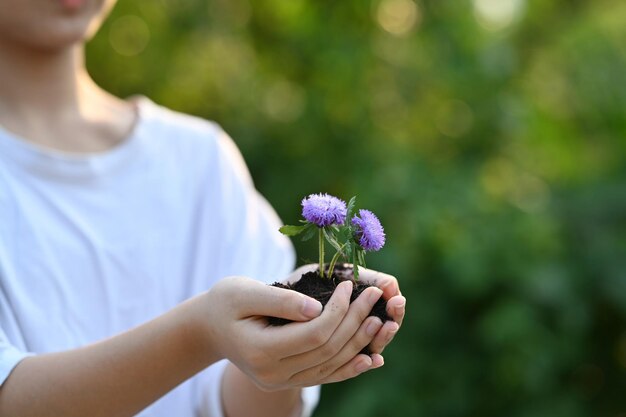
x=396, y=302
x=318, y=347
x=396, y=306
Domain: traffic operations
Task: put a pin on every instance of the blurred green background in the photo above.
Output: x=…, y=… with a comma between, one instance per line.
x=489, y=137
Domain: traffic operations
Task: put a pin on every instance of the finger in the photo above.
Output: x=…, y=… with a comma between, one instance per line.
x=362, y=338
x=387, y=283
x=257, y=299
x=396, y=307
x=298, y=338
x=357, y=313
x=384, y=337
x=377, y=360
x=359, y=364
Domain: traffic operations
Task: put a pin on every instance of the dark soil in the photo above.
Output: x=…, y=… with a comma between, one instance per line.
x=313, y=285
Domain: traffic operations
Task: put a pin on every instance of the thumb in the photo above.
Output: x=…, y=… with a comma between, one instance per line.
x=259, y=299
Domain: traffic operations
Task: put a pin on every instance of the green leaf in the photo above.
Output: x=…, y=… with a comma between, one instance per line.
x=345, y=234
x=350, y=209
x=330, y=237
x=361, y=257
x=292, y=230
x=348, y=250
x=309, y=232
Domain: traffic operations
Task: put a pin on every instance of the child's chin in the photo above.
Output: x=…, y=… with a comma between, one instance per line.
x=57, y=39
x=54, y=31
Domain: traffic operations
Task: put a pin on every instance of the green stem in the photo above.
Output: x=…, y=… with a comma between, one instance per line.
x=333, y=261
x=321, y=238
x=355, y=265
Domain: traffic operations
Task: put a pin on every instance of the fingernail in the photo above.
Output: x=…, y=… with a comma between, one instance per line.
x=347, y=287
x=311, y=307
x=362, y=366
x=374, y=295
x=399, y=309
x=377, y=361
x=392, y=333
x=373, y=327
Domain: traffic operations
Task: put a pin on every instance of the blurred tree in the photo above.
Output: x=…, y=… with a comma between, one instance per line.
x=487, y=134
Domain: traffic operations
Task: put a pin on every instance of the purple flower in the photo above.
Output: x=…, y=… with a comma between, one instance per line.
x=369, y=231
x=323, y=210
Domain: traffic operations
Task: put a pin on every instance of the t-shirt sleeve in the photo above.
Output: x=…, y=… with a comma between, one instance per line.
x=211, y=400
x=251, y=243
x=10, y=356
x=251, y=246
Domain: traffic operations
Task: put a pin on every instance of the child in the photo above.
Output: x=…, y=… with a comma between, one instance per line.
x=116, y=217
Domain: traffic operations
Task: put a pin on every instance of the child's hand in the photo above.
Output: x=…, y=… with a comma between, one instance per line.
x=316, y=349
x=396, y=303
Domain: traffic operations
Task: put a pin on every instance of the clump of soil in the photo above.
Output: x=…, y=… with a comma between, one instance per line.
x=313, y=285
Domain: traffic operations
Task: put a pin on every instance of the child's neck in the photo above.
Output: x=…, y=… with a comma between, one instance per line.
x=50, y=100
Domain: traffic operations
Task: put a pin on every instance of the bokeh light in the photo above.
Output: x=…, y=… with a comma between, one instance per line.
x=129, y=35
x=398, y=17
x=284, y=101
x=454, y=118
x=501, y=178
x=497, y=14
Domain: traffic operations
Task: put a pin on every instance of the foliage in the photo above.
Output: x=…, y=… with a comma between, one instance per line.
x=324, y=213
x=489, y=137
x=351, y=239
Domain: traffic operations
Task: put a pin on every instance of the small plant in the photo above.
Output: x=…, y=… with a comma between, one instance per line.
x=352, y=234
x=326, y=216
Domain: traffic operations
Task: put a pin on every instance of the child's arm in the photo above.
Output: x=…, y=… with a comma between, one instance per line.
x=124, y=374
x=115, y=377
x=241, y=397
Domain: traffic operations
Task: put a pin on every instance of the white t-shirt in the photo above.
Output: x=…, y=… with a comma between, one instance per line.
x=93, y=245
